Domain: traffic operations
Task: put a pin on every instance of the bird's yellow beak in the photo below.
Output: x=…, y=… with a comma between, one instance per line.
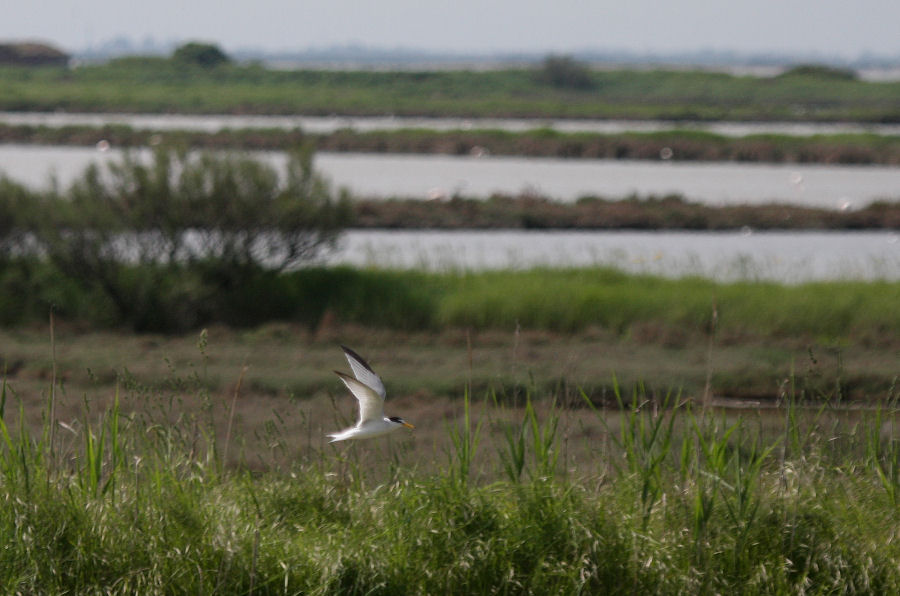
x=408, y=425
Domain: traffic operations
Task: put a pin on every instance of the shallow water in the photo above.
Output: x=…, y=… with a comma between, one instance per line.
x=423, y=176
x=329, y=124
x=790, y=257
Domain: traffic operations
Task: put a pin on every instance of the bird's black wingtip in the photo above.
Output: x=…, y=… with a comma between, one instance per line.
x=349, y=351
x=351, y=354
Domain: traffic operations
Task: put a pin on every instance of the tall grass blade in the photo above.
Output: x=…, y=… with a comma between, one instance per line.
x=543, y=439
x=51, y=428
x=513, y=456
x=465, y=439
x=234, y=398
x=647, y=439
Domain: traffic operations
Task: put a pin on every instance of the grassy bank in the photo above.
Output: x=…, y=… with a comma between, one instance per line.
x=653, y=330
x=655, y=497
x=544, y=299
x=677, y=145
x=160, y=86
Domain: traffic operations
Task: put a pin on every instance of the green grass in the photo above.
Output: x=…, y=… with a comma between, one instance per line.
x=160, y=86
x=578, y=298
x=565, y=300
x=670, y=499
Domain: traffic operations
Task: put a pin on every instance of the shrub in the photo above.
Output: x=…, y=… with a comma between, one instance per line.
x=821, y=71
x=198, y=226
x=18, y=208
x=565, y=72
x=200, y=54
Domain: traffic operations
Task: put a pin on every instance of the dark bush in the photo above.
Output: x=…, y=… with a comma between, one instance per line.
x=565, y=72
x=200, y=54
x=19, y=208
x=170, y=242
x=821, y=71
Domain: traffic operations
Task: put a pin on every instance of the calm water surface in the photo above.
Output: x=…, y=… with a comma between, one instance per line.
x=328, y=124
x=783, y=256
x=790, y=257
x=422, y=176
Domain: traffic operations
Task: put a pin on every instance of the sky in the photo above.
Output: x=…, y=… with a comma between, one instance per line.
x=844, y=28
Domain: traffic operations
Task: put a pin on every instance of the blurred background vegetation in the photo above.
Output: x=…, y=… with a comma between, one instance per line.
x=200, y=78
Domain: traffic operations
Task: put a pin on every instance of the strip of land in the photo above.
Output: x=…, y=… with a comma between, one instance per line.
x=142, y=84
x=596, y=213
x=675, y=145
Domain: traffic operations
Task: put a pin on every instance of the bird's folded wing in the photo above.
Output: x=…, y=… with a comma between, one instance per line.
x=363, y=372
x=371, y=404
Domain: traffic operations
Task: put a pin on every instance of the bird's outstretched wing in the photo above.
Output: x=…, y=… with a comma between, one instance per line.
x=371, y=404
x=364, y=373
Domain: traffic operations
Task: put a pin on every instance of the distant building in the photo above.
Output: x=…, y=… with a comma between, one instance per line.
x=32, y=54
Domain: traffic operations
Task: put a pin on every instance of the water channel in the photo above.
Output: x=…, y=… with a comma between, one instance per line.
x=745, y=255
x=436, y=176
x=789, y=257
x=329, y=124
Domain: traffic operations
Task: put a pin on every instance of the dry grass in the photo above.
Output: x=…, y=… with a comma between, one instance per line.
x=289, y=398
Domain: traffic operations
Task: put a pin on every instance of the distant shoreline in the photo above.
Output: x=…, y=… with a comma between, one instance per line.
x=675, y=145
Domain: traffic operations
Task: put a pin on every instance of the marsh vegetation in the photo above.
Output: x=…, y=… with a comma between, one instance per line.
x=137, y=487
x=155, y=85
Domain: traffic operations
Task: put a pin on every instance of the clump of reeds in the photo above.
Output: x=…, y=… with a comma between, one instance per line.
x=673, y=499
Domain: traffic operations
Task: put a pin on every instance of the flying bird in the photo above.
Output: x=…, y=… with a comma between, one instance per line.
x=368, y=389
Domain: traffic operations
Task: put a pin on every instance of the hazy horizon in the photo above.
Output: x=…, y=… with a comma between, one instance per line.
x=829, y=28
